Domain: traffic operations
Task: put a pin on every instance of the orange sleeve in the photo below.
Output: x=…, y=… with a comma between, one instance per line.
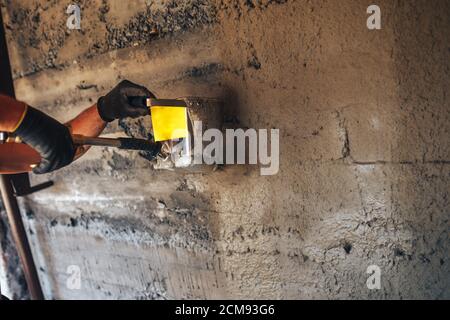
x=17, y=158
x=12, y=112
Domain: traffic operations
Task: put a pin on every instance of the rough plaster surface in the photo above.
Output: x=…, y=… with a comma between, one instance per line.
x=364, y=123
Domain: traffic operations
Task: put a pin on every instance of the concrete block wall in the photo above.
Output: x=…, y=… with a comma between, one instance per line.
x=364, y=149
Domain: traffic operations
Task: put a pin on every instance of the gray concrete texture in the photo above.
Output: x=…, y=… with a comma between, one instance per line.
x=364, y=121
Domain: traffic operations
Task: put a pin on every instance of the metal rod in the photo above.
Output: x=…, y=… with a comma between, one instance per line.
x=96, y=141
x=121, y=143
x=20, y=238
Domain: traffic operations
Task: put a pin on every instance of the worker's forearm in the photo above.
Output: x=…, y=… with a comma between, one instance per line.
x=11, y=113
x=87, y=123
x=19, y=157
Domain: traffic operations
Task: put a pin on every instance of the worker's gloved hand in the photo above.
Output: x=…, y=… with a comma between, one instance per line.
x=47, y=136
x=119, y=102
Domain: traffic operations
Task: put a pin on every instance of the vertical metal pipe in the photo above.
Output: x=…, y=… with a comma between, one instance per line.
x=20, y=238
x=9, y=199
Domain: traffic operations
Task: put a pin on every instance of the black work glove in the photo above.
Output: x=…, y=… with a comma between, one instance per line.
x=119, y=102
x=51, y=139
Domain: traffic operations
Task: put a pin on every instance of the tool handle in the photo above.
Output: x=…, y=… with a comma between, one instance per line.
x=139, y=144
x=141, y=101
x=95, y=141
x=121, y=143
x=138, y=101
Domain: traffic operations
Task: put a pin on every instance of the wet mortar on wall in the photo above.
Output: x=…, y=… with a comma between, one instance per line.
x=364, y=161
